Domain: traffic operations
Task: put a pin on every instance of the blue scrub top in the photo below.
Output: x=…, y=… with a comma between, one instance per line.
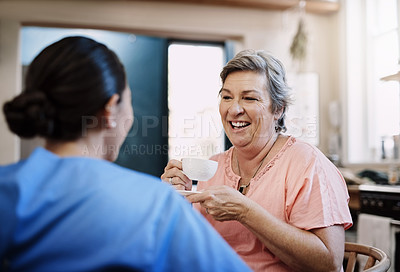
x=81, y=214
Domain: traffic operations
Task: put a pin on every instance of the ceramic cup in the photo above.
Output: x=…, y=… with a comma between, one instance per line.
x=199, y=169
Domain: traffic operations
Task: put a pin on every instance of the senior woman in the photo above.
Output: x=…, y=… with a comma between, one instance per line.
x=278, y=201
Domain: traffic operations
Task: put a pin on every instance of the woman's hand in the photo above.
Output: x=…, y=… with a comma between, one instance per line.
x=173, y=175
x=292, y=245
x=223, y=203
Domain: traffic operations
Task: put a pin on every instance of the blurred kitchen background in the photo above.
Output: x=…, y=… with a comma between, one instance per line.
x=342, y=58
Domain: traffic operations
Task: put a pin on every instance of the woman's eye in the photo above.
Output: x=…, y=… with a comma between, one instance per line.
x=225, y=97
x=250, y=98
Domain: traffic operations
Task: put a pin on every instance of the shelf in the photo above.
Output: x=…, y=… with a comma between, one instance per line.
x=313, y=6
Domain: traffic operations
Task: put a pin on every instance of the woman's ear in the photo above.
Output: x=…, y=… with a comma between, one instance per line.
x=278, y=113
x=110, y=111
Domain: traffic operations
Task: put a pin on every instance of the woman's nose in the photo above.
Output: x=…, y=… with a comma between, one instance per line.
x=235, y=108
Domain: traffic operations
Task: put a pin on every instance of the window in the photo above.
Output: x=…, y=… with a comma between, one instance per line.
x=373, y=105
x=194, y=124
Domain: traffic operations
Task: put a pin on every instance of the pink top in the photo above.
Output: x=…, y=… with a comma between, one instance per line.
x=300, y=186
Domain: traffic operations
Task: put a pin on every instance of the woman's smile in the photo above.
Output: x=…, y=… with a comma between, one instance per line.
x=237, y=125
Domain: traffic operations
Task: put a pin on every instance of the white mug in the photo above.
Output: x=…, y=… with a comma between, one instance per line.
x=199, y=169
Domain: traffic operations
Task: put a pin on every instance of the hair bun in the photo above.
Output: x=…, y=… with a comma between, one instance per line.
x=30, y=114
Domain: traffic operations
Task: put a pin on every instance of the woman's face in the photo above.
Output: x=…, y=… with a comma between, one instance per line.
x=245, y=109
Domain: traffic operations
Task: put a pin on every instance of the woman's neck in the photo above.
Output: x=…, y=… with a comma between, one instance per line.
x=90, y=146
x=249, y=160
x=256, y=151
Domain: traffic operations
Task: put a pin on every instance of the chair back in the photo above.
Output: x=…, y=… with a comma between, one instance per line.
x=377, y=261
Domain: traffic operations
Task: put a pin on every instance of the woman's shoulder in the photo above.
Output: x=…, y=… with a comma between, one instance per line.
x=111, y=173
x=80, y=171
x=307, y=155
x=303, y=153
x=299, y=147
x=221, y=156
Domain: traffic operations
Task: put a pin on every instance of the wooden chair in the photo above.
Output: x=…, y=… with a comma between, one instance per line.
x=377, y=260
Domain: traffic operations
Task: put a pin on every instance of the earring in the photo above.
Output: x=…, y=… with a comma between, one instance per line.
x=108, y=108
x=113, y=124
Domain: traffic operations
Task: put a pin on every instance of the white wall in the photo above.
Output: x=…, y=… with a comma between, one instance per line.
x=252, y=28
x=10, y=82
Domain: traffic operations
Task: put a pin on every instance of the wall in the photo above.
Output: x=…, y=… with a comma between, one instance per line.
x=10, y=78
x=251, y=28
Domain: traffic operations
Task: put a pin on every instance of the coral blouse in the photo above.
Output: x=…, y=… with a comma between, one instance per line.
x=299, y=186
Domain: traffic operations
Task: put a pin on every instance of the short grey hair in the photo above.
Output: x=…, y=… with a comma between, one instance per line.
x=264, y=63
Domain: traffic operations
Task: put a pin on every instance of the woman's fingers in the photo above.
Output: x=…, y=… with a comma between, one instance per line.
x=176, y=181
x=177, y=177
x=173, y=164
x=200, y=198
x=167, y=170
x=179, y=187
x=222, y=203
x=173, y=175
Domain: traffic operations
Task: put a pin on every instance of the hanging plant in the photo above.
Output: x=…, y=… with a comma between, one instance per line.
x=298, y=48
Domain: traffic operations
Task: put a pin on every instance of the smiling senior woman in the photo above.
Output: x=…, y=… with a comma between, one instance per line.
x=279, y=202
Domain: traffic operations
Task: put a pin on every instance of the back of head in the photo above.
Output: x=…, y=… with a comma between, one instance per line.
x=264, y=63
x=68, y=80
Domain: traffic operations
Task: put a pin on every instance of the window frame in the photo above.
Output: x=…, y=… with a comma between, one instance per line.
x=359, y=44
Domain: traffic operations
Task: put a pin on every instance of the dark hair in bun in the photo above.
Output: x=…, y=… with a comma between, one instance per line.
x=68, y=80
